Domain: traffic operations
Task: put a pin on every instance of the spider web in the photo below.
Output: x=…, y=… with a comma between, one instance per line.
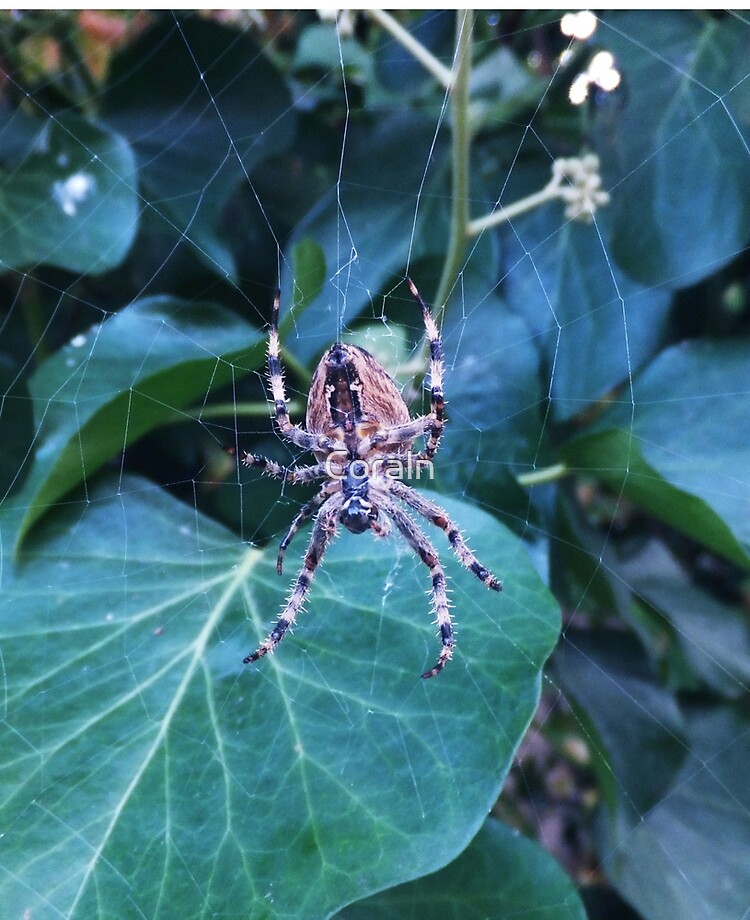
x=597, y=389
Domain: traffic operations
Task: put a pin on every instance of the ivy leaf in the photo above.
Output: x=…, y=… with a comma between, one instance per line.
x=135, y=742
x=674, y=150
x=494, y=396
x=67, y=196
x=501, y=875
x=121, y=379
x=663, y=866
x=577, y=302
x=663, y=451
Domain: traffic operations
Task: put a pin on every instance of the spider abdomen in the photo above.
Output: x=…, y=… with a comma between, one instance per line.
x=348, y=387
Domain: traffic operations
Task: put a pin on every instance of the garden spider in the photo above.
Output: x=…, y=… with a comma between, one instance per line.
x=360, y=431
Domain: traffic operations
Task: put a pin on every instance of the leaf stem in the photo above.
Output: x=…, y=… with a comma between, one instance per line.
x=239, y=409
x=544, y=475
x=575, y=181
x=548, y=193
x=438, y=70
x=461, y=146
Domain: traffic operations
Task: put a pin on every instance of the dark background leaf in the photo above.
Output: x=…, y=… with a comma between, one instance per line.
x=104, y=390
x=690, y=399
x=195, y=135
x=578, y=302
x=709, y=802
x=68, y=198
x=677, y=153
x=530, y=884
x=638, y=743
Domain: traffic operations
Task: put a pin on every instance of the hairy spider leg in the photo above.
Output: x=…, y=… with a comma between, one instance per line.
x=437, y=364
x=324, y=531
x=294, y=433
x=435, y=515
x=430, y=425
x=301, y=516
x=405, y=433
x=414, y=536
x=292, y=474
x=299, y=519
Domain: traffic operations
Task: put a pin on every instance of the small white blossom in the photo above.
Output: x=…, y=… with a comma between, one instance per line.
x=577, y=182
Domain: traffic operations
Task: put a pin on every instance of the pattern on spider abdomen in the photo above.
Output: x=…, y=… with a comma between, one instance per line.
x=351, y=397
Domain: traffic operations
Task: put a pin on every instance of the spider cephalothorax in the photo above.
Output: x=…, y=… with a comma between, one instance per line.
x=361, y=433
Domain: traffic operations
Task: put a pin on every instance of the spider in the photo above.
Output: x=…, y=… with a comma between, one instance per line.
x=360, y=431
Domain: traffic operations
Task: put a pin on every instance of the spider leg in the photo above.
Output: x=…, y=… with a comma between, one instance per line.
x=323, y=532
x=386, y=439
x=437, y=402
x=289, y=473
x=413, y=535
x=294, y=433
x=435, y=515
x=429, y=425
x=299, y=519
x=380, y=528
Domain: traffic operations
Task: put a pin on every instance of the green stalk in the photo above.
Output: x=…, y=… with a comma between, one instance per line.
x=430, y=63
x=542, y=476
x=548, y=193
x=461, y=145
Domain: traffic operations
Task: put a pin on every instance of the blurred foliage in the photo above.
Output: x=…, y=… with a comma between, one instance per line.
x=160, y=175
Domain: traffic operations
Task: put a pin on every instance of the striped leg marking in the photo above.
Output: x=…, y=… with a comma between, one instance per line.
x=299, y=519
x=323, y=532
x=424, y=549
x=437, y=364
x=292, y=474
x=440, y=519
x=293, y=433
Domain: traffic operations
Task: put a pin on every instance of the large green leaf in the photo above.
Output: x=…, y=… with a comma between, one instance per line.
x=67, y=195
x=674, y=143
x=495, y=401
x=681, y=450
x=146, y=772
x=687, y=858
x=501, y=875
x=578, y=303
x=124, y=377
x=614, y=458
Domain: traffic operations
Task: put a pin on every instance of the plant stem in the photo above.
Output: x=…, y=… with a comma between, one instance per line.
x=438, y=70
x=461, y=145
x=548, y=193
x=546, y=474
x=224, y=410
x=575, y=181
